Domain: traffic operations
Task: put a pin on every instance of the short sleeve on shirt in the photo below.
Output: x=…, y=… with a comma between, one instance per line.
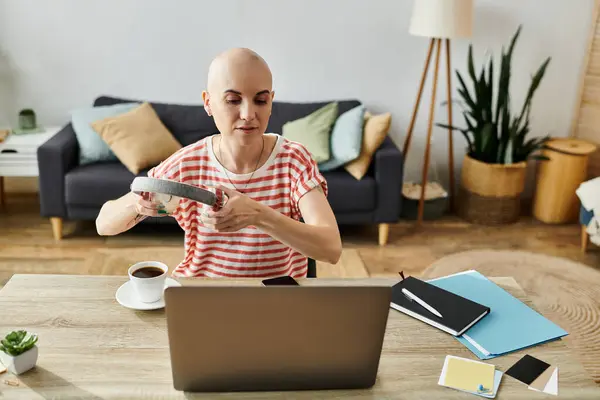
x=165, y=170
x=309, y=178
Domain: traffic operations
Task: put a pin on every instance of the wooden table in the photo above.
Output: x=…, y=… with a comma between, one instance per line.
x=91, y=347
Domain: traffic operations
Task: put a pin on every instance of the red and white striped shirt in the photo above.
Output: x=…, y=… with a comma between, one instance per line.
x=289, y=173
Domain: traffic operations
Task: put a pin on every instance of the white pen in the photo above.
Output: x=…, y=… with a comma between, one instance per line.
x=421, y=302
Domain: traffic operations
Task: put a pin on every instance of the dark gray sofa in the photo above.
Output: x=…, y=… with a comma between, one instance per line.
x=69, y=191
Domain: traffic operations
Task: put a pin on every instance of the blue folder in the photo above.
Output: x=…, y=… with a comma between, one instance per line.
x=510, y=326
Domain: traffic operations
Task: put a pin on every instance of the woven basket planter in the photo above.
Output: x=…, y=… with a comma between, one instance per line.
x=490, y=194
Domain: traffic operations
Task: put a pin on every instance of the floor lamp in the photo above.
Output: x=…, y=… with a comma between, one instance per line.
x=438, y=20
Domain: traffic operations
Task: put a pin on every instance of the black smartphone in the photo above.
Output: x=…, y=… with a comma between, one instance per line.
x=280, y=281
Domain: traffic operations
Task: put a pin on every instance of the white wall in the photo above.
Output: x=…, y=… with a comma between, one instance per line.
x=60, y=54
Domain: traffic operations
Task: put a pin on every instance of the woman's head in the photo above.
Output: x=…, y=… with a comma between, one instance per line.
x=239, y=93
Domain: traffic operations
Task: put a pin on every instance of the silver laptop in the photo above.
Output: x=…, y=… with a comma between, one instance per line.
x=232, y=338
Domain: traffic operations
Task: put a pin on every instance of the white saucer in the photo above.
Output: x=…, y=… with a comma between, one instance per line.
x=127, y=298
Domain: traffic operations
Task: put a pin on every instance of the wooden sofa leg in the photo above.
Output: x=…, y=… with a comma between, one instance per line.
x=384, y=231
x=584, y=238
x=57, y=226
x=2, y=197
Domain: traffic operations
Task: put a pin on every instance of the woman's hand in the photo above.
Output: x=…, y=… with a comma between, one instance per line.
x=238, y=212
x=150, y=205
x=122, y=214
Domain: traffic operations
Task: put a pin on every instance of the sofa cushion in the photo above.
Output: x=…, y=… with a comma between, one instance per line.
x=188, y=123
x=91, y=146
x=95, y=184
x=138, y=138
x=314, y=131
x=375, y=132
x=346, y=138
x=283, y=112
x=346, y=194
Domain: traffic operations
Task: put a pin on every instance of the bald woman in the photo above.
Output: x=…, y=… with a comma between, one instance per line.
x=271, y=183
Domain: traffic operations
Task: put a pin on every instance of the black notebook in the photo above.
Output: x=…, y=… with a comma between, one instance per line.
x=457, y=313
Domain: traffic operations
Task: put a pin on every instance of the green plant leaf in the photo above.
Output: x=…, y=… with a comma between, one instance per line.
x=505, y=129
x=471, y=100
x=17, y=342
x=531, y=146
x=468, y=99
x=463, y=131
x=508, y=155
x=472, y=121
x=483, y=95
x=470, y=124
x=523, y=133
x=487, y=139
x=502, y=90
x=478, y=98
x=535, y=83
x=465, y=94
x=490, y=84
x=505, y=73
x=514, y=39
x=446, y=126
x=471, y=64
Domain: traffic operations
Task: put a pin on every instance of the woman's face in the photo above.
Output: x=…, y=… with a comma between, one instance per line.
x=241, y=100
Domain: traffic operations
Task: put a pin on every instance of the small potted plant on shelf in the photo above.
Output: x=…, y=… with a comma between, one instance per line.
x=27, y=120
x=498, y=147
x=18, y=351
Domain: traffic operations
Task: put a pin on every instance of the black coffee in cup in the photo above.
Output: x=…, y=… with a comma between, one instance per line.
x=147, y=272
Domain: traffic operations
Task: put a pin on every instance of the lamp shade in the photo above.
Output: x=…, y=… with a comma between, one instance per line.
x=444, y=19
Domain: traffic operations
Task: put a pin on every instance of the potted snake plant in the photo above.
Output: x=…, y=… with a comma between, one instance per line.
x=18, y=351
x=498, y=144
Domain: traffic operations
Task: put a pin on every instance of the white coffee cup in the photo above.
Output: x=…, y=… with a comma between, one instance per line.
x=148, y=280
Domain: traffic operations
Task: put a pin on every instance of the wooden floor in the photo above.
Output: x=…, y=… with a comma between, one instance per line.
x=27, y=246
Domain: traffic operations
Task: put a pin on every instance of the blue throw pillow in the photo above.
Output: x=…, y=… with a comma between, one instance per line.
x=346, y=138
x=91, y=146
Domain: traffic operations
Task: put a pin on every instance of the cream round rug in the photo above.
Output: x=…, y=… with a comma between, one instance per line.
x=566, y=292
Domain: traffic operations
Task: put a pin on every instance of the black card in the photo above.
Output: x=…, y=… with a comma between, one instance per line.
x=527, y=369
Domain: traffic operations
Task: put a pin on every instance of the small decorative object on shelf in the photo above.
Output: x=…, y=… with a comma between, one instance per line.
x=27, y=119
x=18, y=351
x=27, y=122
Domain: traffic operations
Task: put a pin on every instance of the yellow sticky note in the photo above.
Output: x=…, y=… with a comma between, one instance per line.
x=464, y=374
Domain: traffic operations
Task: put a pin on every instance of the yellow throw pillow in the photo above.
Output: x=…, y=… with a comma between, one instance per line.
x=138, y=138
x=374, y=133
